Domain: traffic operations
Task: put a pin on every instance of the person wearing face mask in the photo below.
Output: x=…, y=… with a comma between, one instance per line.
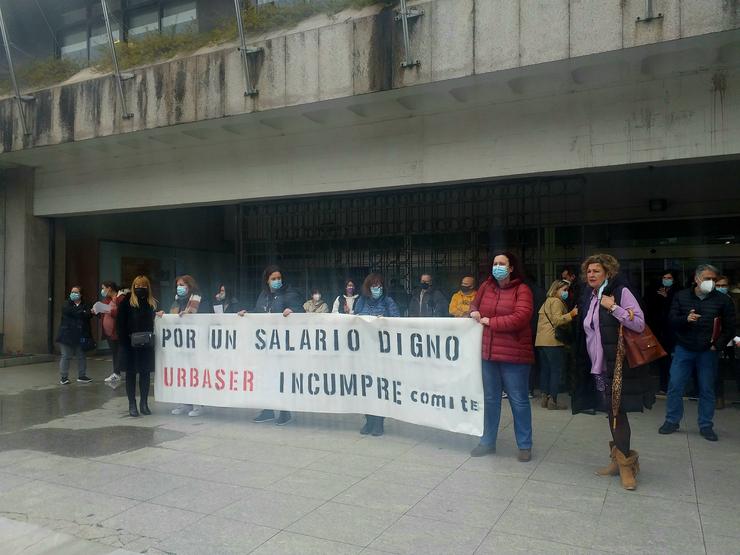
x=375, y=302
x=136, y=313
x=657, y=303
x=460, y=302
x=276, y=298
x=75, y=336
x=427, y=300
x=316, y=304
x=726, y=361
x=607, y=305
x=553, y=314
x=503, y=306
x=345, y=303
x=109, y=294
x=223, y=303
x=704, y=322
x=187, y=301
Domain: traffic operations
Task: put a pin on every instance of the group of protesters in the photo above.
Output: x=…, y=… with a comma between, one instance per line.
x=576, y=328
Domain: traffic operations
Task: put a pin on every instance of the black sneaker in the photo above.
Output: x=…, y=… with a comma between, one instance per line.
x=284, y=418
x=64, y=381
x=84, y=379
x=708, y=434
x=668, y=428
x=265, y=416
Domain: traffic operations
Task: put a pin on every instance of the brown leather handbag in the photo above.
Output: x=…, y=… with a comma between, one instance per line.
x=641, y=348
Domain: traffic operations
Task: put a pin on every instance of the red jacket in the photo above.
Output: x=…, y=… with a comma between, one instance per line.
x=508, y=337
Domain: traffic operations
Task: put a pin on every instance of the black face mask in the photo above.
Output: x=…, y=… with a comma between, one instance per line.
x=141, y=292
x=425, y=285
x=465, y=289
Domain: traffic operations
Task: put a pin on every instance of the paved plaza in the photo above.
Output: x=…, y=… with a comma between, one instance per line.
x=78, y=475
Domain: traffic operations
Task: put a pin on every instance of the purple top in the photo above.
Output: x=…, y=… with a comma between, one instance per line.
x=593, y=333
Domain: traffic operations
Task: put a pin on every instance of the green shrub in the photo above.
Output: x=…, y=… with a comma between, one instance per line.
x=39, y=74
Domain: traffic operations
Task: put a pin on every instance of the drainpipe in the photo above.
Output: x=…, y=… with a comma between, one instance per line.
x=50, y=287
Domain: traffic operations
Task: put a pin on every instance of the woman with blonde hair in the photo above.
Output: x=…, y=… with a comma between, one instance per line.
x=606, y=305
x=136, y=335
x=553, y=316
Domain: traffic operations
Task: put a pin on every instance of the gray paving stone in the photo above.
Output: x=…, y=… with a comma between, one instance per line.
x=200, y=496
x=475, y=511
x=412, y=535
x=720, y=521
x=350, y=465
x=344, y=523
x=481, y=484
x=561, y=496
x=509, y=544
x=153, y=521
x=311, y=483
x=571, y=474
x=290, y=543
x=216, y=536
x=547, y=523
x=423, y=475
x=269, y=508
x=141, y=484
x=374, y=494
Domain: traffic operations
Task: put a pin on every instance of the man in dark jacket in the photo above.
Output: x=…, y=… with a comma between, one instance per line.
x=426, y=300
x=657, y=303
x=703, y=321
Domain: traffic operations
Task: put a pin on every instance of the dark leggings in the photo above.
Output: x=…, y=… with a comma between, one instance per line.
x=622, y=433
x=144, y=381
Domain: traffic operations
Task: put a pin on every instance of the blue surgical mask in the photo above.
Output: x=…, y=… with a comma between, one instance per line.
x=376, y=292
x=723, y=290
x=667, y=283
x=182, y=291
x=276, y=284
x=74, y=297
x=500, y=272
x=564, y=295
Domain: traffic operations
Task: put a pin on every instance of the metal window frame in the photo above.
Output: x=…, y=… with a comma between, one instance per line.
x=649, y=13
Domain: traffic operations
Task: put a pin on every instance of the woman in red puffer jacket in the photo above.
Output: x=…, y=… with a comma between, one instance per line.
x=504, y=307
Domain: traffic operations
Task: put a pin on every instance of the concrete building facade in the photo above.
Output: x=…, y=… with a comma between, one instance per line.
x=555, y=128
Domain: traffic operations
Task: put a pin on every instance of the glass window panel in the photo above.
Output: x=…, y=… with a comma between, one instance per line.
x=73, y=11
x=99, y=40
x=74, y=45
x=143, y=22
x=179, y=17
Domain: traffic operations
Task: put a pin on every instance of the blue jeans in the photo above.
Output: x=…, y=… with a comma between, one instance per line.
x=681, y=368
x=552, y=361
x=514, y=379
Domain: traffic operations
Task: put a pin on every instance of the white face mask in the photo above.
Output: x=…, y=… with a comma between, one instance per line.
x=317, y=297
x=706, y=286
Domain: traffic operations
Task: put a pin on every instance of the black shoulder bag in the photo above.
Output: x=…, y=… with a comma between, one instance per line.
x=564, y=334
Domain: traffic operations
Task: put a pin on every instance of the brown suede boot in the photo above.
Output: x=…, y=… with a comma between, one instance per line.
x=613, y=468
x=628, y=468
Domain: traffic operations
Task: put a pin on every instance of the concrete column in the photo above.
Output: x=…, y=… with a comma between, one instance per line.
x=25, y=289
x=2, y=266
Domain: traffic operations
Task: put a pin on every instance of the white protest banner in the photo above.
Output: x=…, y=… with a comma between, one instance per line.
x=424, y=371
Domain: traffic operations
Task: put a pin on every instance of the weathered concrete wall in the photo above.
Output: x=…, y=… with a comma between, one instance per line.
x=26, y=267
x=454, y=38
x=673, y=118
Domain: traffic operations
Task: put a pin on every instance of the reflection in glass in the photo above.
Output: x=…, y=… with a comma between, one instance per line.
x=179, y=17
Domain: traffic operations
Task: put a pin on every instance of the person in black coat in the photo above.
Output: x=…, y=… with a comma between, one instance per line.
x=75, y=336
x=276, y=298
x=136, y=314
x=657, y=303
x=427, y=300
x=223, y=303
